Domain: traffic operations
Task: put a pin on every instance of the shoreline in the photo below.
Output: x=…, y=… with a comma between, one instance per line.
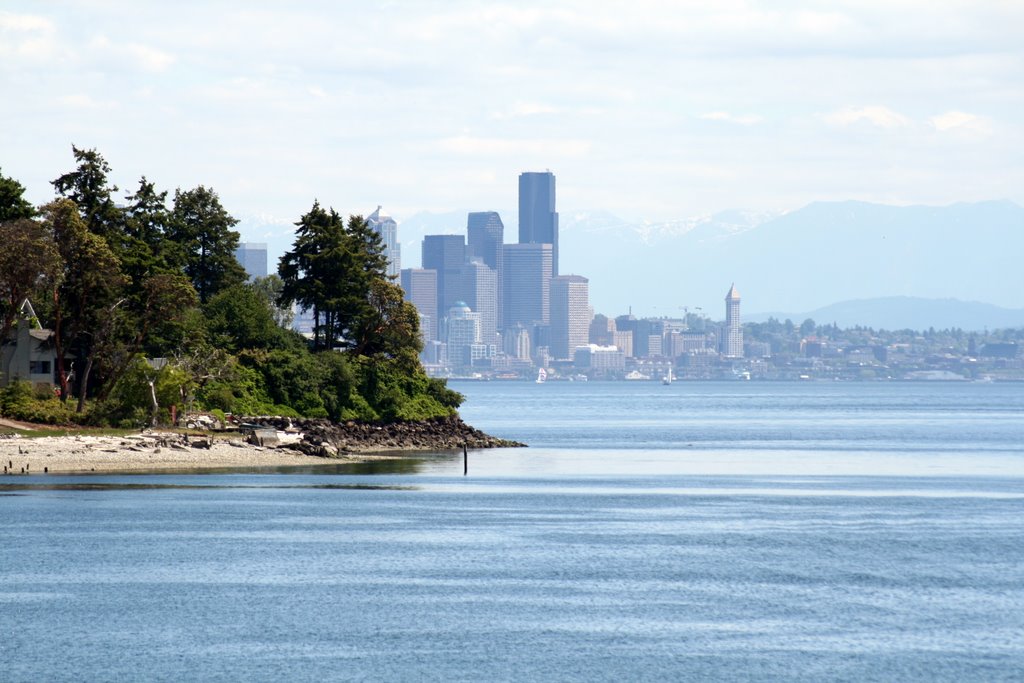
x=298, y=443
x=82, y=454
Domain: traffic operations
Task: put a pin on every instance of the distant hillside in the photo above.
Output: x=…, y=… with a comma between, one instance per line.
x=806, y=259
x=902, y=312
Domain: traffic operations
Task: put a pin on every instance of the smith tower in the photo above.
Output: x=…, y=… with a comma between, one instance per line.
x=538, y=220
x=733, y=337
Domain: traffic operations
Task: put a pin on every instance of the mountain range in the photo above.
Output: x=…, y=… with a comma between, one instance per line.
x=803, y=260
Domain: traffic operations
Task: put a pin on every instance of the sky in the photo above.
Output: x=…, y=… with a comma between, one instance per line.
x=651, y=110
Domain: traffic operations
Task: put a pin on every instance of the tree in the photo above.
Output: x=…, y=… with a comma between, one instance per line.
x=201, y=231
x=28, y=259
x=270, y=288
x=86, y=294
x=13, y=204
x=88, y=188
x=331, y=269
x=309, y=271
x=240, y=318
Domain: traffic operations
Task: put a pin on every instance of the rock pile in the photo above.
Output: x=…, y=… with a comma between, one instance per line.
x=328, y=439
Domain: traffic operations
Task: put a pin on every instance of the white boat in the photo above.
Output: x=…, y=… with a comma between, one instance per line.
x=667, y=379
x=542, y=376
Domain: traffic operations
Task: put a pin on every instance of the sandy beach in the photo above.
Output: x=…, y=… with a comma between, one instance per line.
x=144, y=452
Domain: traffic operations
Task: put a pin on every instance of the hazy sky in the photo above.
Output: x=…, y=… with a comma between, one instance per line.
x=651, y=110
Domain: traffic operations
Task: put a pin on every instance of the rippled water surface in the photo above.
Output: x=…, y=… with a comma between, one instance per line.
x=698, y=531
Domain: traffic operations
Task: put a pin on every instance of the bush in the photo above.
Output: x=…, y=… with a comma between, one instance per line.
x=20, y=402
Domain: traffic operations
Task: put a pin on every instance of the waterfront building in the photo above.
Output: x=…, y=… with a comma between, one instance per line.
x=526, y=275
x=386, y=226
x=597, y=357
x=569, y=315
x=732, y=334
x=478, y=288
x=446, y=254
x=419, y=286
x=538, y=220
x=516, y=342
x=253, y=258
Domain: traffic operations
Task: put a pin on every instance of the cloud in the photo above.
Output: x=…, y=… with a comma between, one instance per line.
x=522, y=109
x=961, y=121
x=144, y=57
x=741, y=119
x=479, y=146
x=879, y=116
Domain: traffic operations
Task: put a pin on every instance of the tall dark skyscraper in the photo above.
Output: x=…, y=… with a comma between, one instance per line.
x=486, y=234
x=446, y=254
x=538, y=220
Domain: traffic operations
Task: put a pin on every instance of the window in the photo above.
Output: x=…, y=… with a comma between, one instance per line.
x=39, y=367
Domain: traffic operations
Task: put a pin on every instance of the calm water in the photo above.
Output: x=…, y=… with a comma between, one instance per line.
x=700, y=531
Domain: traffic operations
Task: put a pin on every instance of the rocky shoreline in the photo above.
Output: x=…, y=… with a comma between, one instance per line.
x=323, y=438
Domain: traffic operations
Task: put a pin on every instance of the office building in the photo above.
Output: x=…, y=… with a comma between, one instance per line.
x=526, y=283
x=732, y=334
x=538, y=220
x=420, y=288
x=385, y=226
x=596, y=357
x=485, y=236
x=463, y=334
x=479, y=290
x=446, y=254
x=569, y=315
x=253, y=258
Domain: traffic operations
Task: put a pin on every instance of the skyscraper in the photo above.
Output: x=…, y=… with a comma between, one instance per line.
x=420, y=287
x=486, y=235
x=526, y=275
x=387, y=228
x=732, y=337
x=446, y=254
x=538, y=220
x=479, y=290
x=463, y=333
x=253, y=257
x=570, y=315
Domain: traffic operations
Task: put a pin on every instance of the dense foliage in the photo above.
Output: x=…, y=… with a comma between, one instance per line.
x=149, y=309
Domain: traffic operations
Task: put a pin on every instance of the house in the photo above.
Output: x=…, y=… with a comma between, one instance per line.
x=28, y=354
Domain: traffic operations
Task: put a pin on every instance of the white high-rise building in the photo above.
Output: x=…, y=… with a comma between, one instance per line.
x=463, y=333
x=732, y=337
x=387, y=228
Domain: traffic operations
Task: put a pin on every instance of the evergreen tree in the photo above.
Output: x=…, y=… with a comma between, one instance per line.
x=204, y=243
x=87, y=186
x=13, y=204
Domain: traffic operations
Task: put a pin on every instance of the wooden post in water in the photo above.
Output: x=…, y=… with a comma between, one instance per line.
x=465, y=459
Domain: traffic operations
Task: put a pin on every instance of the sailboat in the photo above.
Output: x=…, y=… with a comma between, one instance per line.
x=667, y=379
x=542, y=376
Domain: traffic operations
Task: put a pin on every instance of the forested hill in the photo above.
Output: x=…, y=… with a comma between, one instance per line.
x=149, y=309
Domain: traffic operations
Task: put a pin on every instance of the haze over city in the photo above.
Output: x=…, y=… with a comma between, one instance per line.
x=652, y=119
